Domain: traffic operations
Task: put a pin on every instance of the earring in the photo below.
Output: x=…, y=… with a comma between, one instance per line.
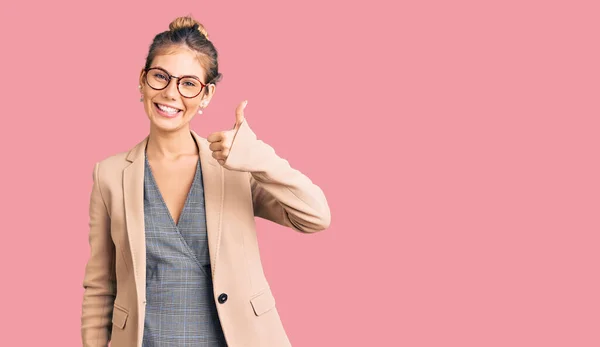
x=142, y=98
x=202, y=105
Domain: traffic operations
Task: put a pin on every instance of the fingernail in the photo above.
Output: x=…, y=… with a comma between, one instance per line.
x=245, y=102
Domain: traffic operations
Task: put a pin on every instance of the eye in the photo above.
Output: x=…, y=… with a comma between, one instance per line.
x=160, y=76
x=189, y=83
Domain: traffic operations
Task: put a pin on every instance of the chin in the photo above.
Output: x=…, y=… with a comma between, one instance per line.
x=168, y=125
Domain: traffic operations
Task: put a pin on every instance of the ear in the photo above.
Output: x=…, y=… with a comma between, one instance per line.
x=142, y=77
x=209, y=92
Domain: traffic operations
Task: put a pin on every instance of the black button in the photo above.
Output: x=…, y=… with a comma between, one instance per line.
x=222, y=298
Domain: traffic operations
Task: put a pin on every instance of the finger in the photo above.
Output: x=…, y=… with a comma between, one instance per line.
x=216, y=146
x=215, y=137
x=224, y=142
x=220, y=155
x=239, y=114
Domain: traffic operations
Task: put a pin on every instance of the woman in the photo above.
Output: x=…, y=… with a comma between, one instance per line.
x=174, y=256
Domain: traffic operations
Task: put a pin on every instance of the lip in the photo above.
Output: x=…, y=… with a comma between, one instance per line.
x=164, y=114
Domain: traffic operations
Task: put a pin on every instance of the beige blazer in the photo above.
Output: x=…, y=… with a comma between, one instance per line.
x=254, y=181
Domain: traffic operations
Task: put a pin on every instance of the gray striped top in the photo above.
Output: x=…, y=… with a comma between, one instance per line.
x=180, y=308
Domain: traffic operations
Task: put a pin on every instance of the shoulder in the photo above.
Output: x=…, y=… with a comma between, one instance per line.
x=110, y=168
x=113, y=162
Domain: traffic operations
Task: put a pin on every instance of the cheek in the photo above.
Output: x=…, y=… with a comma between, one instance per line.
x=191, y=107
x=148, y=105
x=148, y=96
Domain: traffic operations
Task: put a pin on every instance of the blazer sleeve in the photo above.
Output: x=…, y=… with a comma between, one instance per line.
x=99, y=281
x=280, y=193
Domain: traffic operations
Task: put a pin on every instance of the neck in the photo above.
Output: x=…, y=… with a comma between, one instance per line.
x=170, y=145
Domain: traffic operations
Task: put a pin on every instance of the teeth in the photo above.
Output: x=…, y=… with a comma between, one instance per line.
x=168, y=109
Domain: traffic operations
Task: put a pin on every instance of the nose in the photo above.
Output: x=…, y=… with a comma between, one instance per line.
x=170, y=90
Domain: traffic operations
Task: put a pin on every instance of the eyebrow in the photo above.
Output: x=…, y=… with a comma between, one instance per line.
x=162, y=68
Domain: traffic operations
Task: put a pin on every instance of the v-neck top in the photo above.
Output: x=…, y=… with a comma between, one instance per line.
x=180, y=306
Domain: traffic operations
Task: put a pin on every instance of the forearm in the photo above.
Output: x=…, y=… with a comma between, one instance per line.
x=280, y=192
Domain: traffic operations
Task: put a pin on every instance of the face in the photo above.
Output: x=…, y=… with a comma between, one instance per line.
x=167, y=109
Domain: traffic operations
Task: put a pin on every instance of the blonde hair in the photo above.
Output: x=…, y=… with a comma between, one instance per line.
x=187, y=22
x=189, y=33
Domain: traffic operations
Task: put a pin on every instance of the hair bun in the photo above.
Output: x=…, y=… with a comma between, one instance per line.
x=187, y=22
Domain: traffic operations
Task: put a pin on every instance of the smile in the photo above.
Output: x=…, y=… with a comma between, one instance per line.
x=167, y=111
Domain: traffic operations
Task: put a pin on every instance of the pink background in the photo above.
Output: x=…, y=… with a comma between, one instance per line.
x=456, y=141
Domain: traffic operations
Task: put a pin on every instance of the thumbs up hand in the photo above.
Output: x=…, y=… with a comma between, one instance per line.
x=221, y=141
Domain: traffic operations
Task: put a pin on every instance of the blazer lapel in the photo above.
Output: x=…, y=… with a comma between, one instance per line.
x=133, y=195
x=212, y=177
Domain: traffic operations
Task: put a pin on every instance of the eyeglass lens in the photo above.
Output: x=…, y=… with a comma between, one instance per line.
x=187, y=86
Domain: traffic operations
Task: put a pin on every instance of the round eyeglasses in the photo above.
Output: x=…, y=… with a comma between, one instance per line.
x=188, y=86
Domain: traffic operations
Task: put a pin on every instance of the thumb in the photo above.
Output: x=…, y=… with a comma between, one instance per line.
x=239, y=114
